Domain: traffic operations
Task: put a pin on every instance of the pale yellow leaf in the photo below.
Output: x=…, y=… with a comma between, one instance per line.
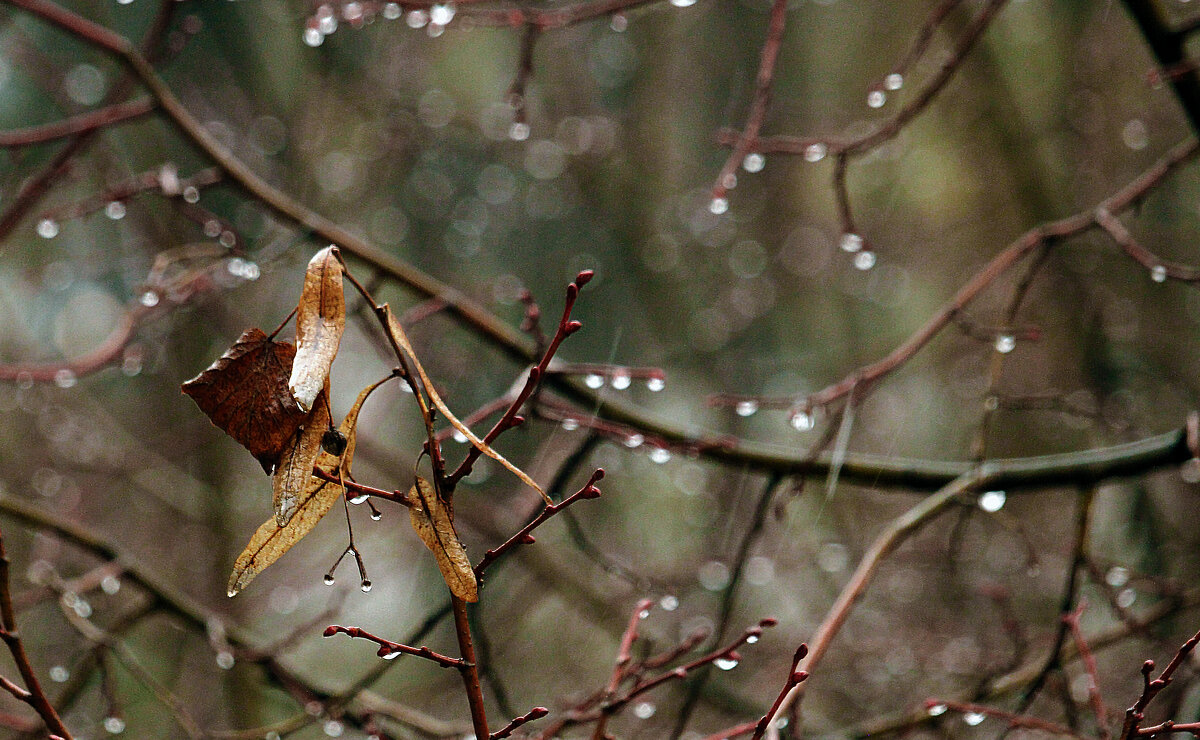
x=433, y=524
x=271, y=540
x=296, y=462
x=320, y=321
x=401, y=339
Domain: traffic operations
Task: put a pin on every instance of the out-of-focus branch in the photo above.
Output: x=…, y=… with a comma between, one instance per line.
x=89, y=121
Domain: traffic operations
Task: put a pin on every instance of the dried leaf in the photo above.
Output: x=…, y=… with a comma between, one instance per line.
x=402, y=339
x=435, y=526
x=246, y=394
x=271, y=540
x=320, y=321
x=296, y=462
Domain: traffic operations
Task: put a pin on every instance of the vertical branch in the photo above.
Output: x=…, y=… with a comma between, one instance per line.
x=469, y=671
x=34, y=696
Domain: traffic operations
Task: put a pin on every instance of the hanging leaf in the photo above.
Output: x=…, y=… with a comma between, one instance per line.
x=271, y=540
x=320, y=321
x=245, y=393
x=296, y=462
x=435, y=526
x=401, y=339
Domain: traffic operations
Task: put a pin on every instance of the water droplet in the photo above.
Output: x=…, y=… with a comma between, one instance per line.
x=47, y=228
x=634, y=440
x=894, y=81
x=225, y=660
x=460, y=437
x=433, y=30
x=212, y=228
x=746, y=408
x=1117, y=576
x=803, y=421
x=593, y=381
x=110, y=585
x=416, y=18
x=227, y=239
x=729, y=182
x=974, y=718
x=1126, y=598
x=851, y=243
x=333, y=728
x=669, y=603
x=1005, y=343
x=936, y=710
x=876, y=98
x=754, y=162
x=643, y=614
x=1190, y=471
x=83, y=609
x=519, y=131
x=312, y=37
x=1158, y=274
x=327, y=24
x=620, y=380
x=328, y=579
x=114, y=725
x=751, y=639
x=713, y=575
x=992, y=501
x=392, y=11
x=359, y=498
x=115, y=210
x=392, y=655
x=352, y=11
x=191, y=194
x=442, y=14
x=683, y=3
x=149, y=299
x=59, y=674
x=864, y=260
x=815, y=152
x=570, y=424
x=660, y=455
x=376, y=515
x=643, y=710
x=655, y=385
x=719, y=205
x=618, y=22
x=726, y=664
x=65, y=378
x=366, y=586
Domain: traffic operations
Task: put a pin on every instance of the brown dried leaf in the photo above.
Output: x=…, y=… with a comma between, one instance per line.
x=401, y=339
x=320, y=321
x=271, y=540
x=245, y=393
x=296, y=462
x=435, y=527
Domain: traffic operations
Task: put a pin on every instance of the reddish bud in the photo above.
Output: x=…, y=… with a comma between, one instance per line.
x=572, y=326
x=590, y=492
x=528, y=540
x=1147, y=667
x=331, y=630
x=768, y=622
x=584, y=277
x=383, y=651
x=800, y=653
x=798, y=677
x=537, y=713
x=679, y=672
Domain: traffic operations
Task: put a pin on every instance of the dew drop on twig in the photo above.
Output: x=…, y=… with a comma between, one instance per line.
x=754, y=162
x=815, y=152
x=1158, y=274
x=864, y=260
x=1006, y=343
x=47, y=228
x=655, y=384
x=803, y=421
x=851, y=242
x=746, y=408
x=876, y=98
x=328, y=579
x=718, y=206
x=894, y=81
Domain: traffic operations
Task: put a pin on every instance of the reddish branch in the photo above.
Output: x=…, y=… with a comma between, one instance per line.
x=32, y=694
x=1093, y=673
x=389, y=649
x=566, y=327
x=761, y=101
x=1151, y=688
x=79, y=124
x=524, y=536
x=795, y=677
x=532, y=714
x=1013, y=719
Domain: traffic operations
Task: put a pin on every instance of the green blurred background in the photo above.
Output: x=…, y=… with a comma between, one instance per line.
x=404, y=138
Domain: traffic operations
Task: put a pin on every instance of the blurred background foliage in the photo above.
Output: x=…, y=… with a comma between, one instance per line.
x=406, y=137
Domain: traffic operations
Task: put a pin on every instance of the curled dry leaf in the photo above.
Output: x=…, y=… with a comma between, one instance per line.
x=401, y=339
x=271, y=540
x=245, y=393
x=320, y=321
x=435, y=526
x=296, y=462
